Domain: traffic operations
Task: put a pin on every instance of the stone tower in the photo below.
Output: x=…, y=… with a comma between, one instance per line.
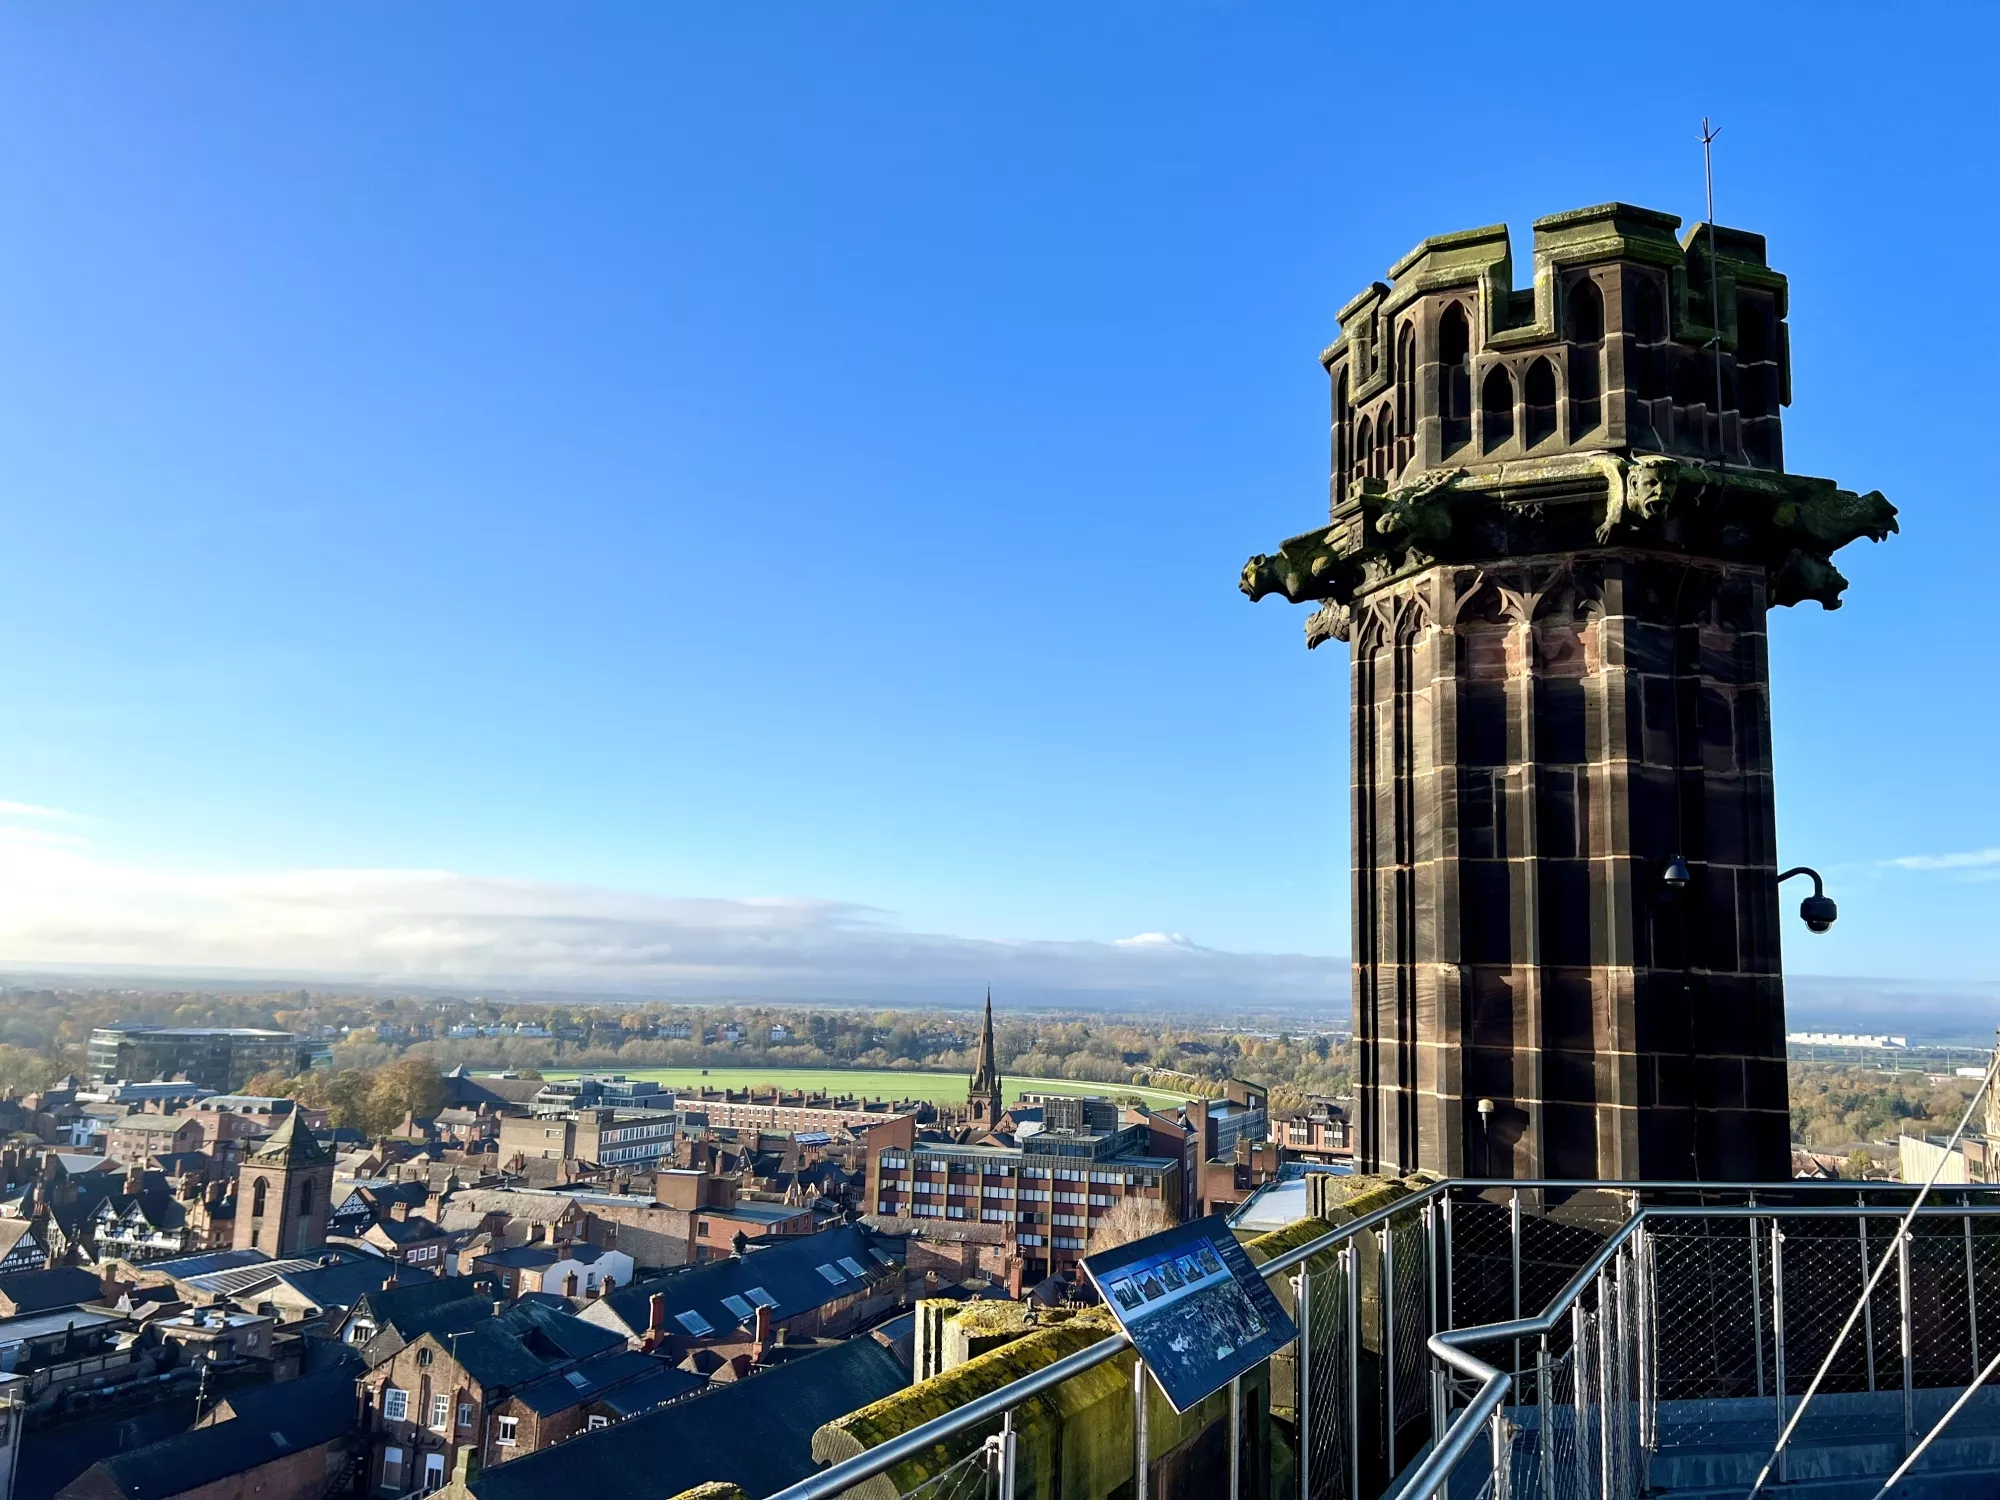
x=982, y=1100
x=1559, y=515
x=282, y=1192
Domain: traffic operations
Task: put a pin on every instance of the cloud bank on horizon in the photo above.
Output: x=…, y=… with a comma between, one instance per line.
x=61, y=905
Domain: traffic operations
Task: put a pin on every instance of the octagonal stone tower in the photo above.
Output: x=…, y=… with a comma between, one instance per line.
x=1558, y=517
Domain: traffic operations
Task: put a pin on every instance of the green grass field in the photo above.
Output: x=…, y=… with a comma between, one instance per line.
x=874, y=1083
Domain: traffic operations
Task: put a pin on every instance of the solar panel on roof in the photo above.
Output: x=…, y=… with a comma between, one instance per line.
x=761, y=1297
x=574, y=1378
x=852, y=1267
x=738, y=1309
x=836, y=1277
x=695, y=1324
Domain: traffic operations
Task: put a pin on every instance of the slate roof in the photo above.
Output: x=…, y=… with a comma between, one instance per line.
x=271, y=1422
x=346, y=1282
x=594, y=1378
x=180, y=1267
x=434, y=1305
x=38, y=1291
x=664, y=1385
x=405, y=1231
x=539, y=1257
x=756, y=1433
x=78, y=1164
x=467, y=1208
x=785, y=1269
x=521, y=1346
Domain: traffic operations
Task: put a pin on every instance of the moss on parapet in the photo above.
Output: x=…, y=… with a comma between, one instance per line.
x=940, y=1395
x=1074, y=1441
x=715, y=1489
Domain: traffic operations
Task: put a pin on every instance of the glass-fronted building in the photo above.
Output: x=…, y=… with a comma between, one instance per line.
x=222, y=1058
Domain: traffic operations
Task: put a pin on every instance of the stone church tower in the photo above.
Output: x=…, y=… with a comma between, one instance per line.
x=1559, y=514
x=982, y=1100
x=283, y=1190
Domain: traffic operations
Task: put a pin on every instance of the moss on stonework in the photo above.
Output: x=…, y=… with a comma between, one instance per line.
x=996, y=1319
x=715, y=1489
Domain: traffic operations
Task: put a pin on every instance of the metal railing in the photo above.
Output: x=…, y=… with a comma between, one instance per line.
x=1506, y=1339
x=1647, y=1374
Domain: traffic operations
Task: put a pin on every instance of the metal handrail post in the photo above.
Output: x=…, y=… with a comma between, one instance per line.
x=1353, y=1368
x=1757, y=1303
x=1971, y=1294
x=1604, y=1388
x=1514, y=1241
x=1622, y=1335
x=1867, y=1303
x=1778, y=1337
x=1545, y=1432
x=1431, y=1310
x=1502, y=1456
x=1388, y=1285
x=1579, y=1380
x=1909, y=1354
x=1141, y=1481
x=1302, y=1381
x=1649, y=1431
x=1008, y=1456
x=1449, y=1268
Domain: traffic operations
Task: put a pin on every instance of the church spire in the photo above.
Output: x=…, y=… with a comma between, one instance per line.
x=982, y=1101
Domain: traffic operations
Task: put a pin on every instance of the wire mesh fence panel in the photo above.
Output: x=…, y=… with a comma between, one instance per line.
x=1482, y=1260
x=1327, y=1442
x=970, y=1478
x=1559, y=1235
x=1940, y=1328
x=1710, y=1340
x=1817, y=1274
x=1408, y=1365
x=1983, y=1241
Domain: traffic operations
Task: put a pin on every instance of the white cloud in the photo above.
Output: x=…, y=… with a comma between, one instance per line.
x=1970, y=859
x=35, y=810
x=62, y=906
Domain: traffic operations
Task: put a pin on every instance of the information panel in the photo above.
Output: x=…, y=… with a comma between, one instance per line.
x=1197, y=1311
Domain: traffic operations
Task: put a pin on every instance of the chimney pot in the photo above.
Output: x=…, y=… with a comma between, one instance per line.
x=656, y=1312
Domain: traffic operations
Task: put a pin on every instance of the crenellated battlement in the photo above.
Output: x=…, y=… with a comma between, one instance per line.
x=1614, y=344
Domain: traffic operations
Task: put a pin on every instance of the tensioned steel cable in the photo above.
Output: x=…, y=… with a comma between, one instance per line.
x=1888, y=1254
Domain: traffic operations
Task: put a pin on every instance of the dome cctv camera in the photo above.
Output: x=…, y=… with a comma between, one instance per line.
x=1817, y=911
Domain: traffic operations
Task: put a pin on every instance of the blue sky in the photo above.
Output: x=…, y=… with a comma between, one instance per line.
x=807, y=452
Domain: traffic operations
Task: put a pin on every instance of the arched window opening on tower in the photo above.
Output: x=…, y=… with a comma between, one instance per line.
x=1496, y=406
x=1340, y=436
x=1454, y=351
x=1757, y=372
x=1586, y=357
x=1649, y=330
x=1538, y=396
x=257, y=1195
x=1406, y=395
x=1385, y=439
x=306, y=1196
x=1364, y=439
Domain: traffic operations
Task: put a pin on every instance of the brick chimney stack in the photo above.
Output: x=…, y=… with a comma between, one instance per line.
x=764, y=1339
